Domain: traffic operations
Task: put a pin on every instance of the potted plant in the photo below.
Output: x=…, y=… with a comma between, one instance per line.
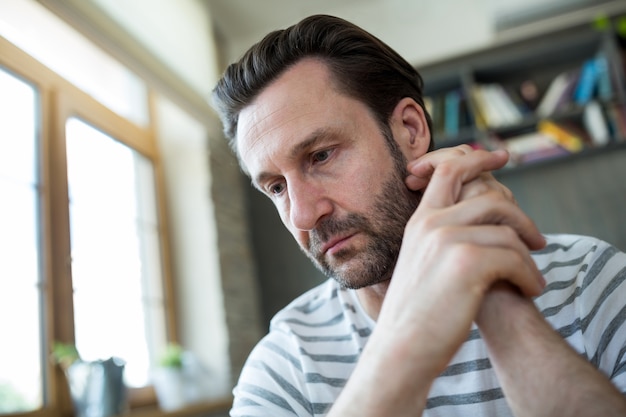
x=169, y=379
x=180, y=379
x=97, y=388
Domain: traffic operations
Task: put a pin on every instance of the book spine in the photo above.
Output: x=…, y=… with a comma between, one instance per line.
x=567, y=140
x=452, y=108
x=595, y=124
x=586, y=83
x=605, y=89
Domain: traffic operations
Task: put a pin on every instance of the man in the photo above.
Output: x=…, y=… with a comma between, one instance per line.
x=430, y=308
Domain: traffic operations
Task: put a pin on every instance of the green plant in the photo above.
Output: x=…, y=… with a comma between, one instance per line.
x=172, y=357
x=65, y=354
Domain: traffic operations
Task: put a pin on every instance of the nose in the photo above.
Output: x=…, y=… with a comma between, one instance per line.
x=308, y=203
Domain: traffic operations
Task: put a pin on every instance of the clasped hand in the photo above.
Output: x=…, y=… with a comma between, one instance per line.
x=466, y=235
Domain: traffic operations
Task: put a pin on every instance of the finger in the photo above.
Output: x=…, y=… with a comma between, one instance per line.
x=448, y=177
x=488, y=208
x=470, y=259
x=502, y=212
x=483, y=184
x=499, y=237
x=504, y=264
x=422, y=169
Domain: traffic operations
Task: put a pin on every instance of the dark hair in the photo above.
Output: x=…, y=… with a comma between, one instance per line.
x=362, y=67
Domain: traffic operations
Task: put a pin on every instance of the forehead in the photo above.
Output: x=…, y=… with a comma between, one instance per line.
x=300, y=101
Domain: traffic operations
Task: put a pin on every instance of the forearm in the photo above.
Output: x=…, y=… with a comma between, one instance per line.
x=541, y=375
x=389, y=381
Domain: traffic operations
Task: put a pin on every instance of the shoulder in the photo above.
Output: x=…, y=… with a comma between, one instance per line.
x=584, y=298
x=586, y=282
x=320, y=313
x=582, y=263
x=568, y=250
x=307, y=340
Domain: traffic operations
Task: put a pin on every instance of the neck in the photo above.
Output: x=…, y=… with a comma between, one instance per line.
x=371, y=298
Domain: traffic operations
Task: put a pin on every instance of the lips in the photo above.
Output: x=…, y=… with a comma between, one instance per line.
x=335, y=242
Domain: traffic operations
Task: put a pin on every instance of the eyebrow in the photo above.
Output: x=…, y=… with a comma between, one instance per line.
x=314, y=137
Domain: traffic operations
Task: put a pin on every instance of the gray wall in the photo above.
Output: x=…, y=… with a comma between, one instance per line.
x=583, y=195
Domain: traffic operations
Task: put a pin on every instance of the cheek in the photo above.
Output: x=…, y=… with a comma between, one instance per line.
x=360, y=186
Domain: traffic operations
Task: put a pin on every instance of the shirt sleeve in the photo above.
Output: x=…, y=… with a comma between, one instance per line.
x=603, y=311
x=272, y=382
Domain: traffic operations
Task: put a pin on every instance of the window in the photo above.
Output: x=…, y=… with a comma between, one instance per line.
x=82, y=236
x=115, y=250
x=20, y=259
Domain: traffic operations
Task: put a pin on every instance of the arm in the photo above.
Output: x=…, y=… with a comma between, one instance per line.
x=540, y=373
x=452, y=253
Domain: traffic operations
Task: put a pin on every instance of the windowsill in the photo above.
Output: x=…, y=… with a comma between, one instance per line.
x=213, y=406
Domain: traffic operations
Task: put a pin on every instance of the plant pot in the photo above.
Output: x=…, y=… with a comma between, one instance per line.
x=170, y=386
x=97, y=388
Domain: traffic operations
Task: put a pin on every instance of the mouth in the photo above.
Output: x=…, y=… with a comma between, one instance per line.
x=335, y=244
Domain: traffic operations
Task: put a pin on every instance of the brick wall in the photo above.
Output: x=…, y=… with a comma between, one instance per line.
x=237, y=265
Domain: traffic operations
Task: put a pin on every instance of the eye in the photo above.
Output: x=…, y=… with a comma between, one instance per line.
x=276, y=188
x=320, y=156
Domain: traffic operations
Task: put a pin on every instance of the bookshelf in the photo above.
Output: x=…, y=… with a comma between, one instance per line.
x=540, y=98
x=567, y=184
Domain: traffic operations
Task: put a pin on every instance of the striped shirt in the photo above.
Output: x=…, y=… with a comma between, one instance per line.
x=314, y=343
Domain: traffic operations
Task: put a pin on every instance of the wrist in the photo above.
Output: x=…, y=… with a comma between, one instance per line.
x=504, y=309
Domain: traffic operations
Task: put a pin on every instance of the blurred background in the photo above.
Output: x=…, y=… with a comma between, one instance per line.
x=127, y=227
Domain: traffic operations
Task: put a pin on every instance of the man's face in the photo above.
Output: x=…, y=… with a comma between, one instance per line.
x=321, y=157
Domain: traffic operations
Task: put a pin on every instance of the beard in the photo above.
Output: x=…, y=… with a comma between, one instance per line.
x=383, y=228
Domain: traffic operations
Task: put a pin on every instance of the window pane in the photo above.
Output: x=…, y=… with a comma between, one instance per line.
x=21, y=348
x=118, y=302
x=48, y=39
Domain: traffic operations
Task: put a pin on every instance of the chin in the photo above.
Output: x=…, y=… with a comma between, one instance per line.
x=364, y=276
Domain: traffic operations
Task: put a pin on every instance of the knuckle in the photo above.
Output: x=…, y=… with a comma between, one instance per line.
x=509, y=233
x=447, y=168
x=464, y=256
x=423, y=224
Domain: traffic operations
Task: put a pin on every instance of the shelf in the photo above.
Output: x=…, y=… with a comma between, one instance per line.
x=221, y=405
x=486, y=94
x=586, y=153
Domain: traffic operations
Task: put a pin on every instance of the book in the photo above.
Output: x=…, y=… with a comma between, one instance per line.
x=586, y=82
x=558, y=93
x=515, y=96
x=596, y=125
x=568, y=140
x=452, y=109
x=605, y=88
x=496, y=106
x=478, y=104
x=533, y=147
x=513, y=114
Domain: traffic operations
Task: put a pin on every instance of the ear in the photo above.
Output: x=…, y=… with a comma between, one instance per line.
x=409, y=128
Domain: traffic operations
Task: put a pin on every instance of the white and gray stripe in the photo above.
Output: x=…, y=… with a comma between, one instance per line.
x=313, y=345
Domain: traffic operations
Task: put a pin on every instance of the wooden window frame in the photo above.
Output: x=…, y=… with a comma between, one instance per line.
x=58, y=101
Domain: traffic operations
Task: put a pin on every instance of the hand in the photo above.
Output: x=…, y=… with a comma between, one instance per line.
x=466, y=235
x=421, y=172
x=422, y=169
